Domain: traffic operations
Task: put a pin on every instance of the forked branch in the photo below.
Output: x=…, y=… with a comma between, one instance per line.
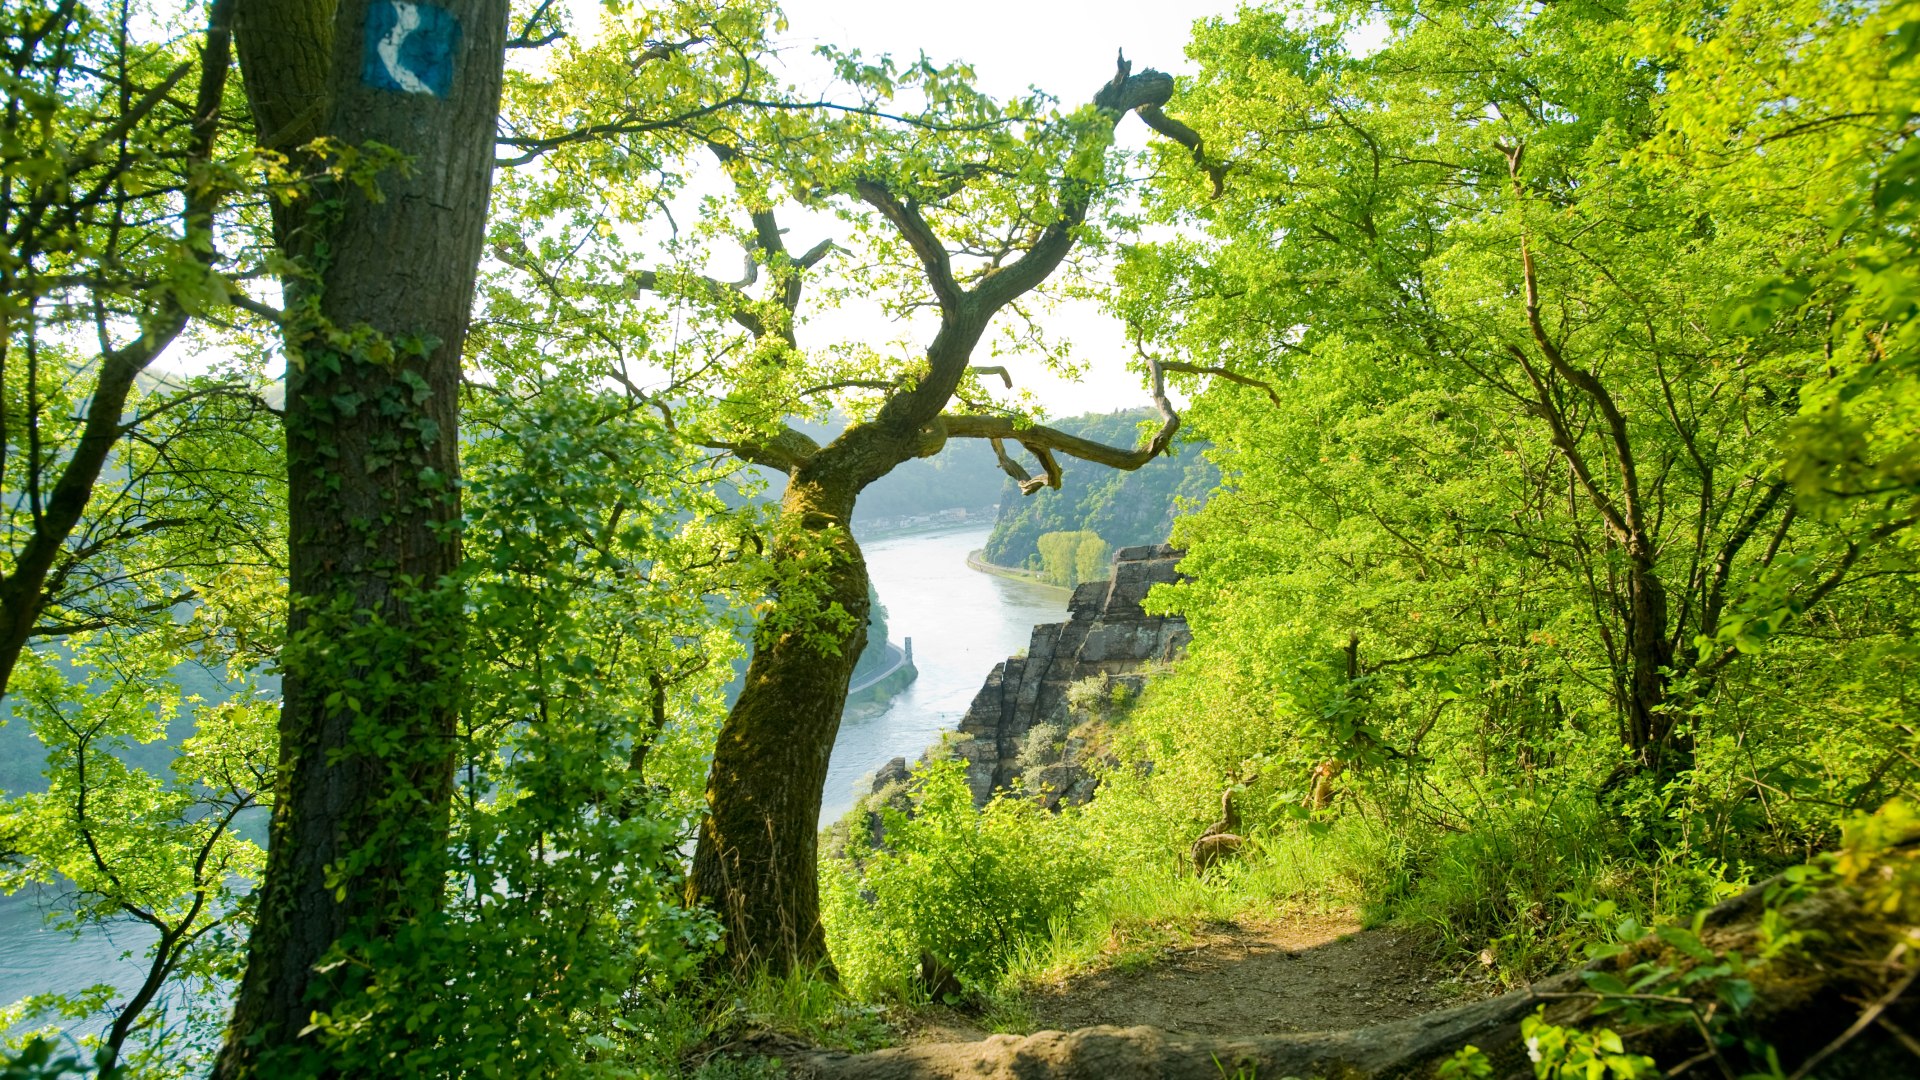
x=1045, y=442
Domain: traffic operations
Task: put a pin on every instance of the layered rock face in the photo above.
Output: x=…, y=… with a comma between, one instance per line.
x=1108, y=638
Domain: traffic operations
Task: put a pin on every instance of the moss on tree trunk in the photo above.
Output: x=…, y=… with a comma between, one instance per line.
x=757, y=862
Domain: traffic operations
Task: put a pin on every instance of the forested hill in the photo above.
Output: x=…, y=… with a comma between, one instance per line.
x=1124, y=508
x=964, y=474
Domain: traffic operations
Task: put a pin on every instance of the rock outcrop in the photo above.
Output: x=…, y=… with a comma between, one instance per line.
x=1108, y=639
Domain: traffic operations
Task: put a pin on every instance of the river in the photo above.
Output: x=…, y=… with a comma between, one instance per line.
x=962, y=622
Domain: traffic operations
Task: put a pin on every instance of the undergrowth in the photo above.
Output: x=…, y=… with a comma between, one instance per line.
x=714, y=1034
x=1009, y=898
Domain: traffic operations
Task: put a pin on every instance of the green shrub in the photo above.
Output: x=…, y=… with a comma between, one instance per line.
x=964, y=887
x=1042, y=747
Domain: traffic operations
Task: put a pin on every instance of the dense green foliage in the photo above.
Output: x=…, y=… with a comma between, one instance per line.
x=1069, y=558
x=1550, y=503
x=1521, y=525
x=1562, y=560
x=1124, y=508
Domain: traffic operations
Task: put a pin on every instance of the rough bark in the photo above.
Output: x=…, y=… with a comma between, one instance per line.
x=757, y=859
x=378, y=315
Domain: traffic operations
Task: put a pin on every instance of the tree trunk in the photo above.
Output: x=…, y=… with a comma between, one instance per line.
x=23, y=592
x=757, y=859
x=1659, y=745
x=377, y=319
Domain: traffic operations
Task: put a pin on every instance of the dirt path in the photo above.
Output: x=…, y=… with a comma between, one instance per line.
x=1306, y=995
x=1305, y=973
x=1309, y=973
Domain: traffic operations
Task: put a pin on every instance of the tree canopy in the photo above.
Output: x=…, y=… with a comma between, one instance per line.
x=1550, y=406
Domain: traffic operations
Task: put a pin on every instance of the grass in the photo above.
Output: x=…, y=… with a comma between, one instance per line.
x=808, y=1006
x=705, y=1036
x=1509, y=895
x=1131, y=920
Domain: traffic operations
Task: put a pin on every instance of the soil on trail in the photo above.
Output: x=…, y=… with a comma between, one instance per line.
x=1292, y=975
x=1309, y=973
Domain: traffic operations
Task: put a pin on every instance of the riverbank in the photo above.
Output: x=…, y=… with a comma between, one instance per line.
x=977, y=560
x=873, y=693
x=962, y=622
x=958, y=517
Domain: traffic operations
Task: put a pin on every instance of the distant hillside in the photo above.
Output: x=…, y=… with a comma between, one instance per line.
x=1124, y=508
x=964, y=474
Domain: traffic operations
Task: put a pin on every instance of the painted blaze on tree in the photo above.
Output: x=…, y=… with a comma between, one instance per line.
x=410, y=47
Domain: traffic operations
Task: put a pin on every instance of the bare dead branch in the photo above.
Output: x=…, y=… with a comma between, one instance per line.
x=851, y=384
x=1044, y=442
x=1223, y=373
x=1189, y=138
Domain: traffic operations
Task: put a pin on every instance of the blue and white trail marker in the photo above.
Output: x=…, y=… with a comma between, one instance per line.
x=410, y=47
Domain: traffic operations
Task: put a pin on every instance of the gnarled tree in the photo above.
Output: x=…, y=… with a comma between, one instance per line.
x=960, y=210
x=982, y=220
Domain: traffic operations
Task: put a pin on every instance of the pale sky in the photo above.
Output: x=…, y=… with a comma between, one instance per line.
x=1064, y=47
x=1067, y=49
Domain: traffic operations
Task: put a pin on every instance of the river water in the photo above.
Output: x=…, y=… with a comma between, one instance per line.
x=962, y=622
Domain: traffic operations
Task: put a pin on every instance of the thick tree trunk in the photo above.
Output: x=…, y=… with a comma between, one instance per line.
x=376, y=325
x=757, y=859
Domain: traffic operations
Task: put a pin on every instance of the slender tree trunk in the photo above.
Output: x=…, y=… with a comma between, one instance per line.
x=377, y=318
x=757, y=859
x=1657, y=741
x=23, y=592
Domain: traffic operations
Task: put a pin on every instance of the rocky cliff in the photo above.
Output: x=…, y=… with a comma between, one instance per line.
x=1108, y=646
x=1035, y=725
